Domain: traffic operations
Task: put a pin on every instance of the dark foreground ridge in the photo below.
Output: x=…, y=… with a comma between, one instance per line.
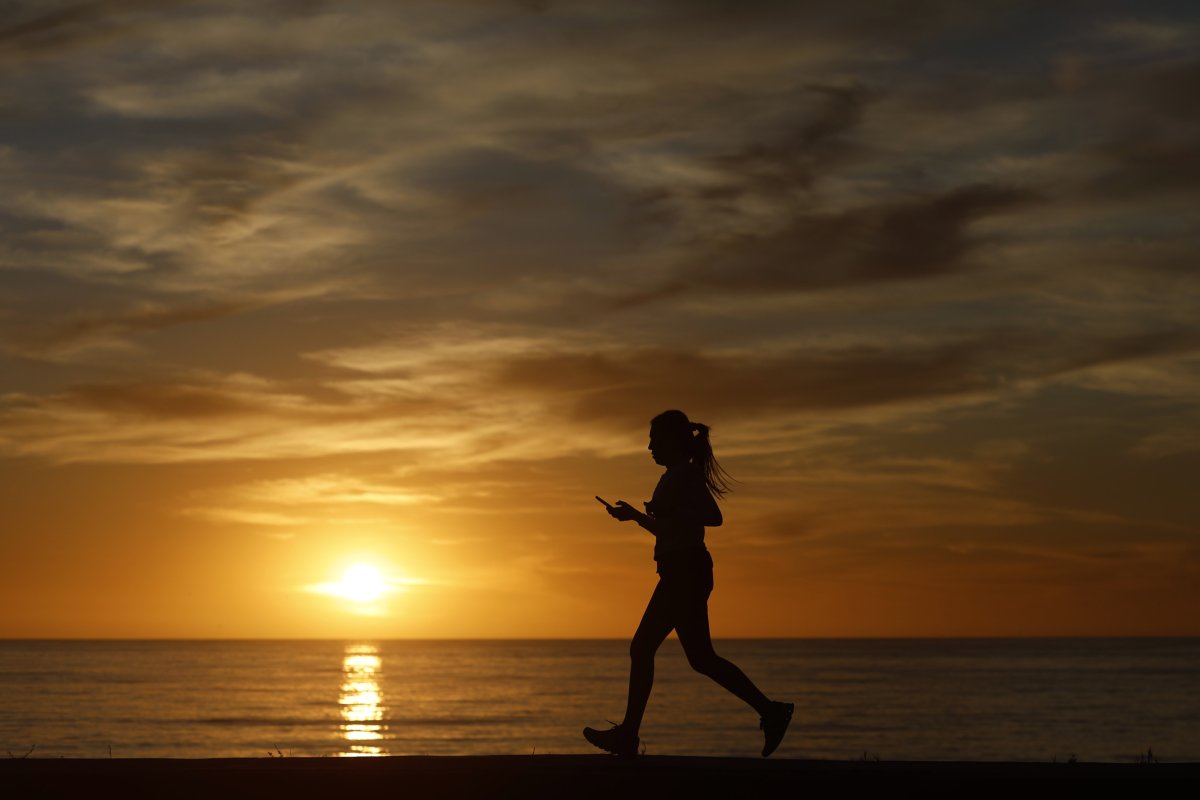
x=574, y=776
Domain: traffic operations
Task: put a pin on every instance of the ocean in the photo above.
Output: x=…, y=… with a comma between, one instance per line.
x=899, y=699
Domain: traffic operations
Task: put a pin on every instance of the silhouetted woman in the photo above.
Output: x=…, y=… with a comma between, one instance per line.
x=682, y=506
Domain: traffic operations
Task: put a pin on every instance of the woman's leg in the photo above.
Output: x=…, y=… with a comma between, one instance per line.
x=655, y=625
x=692, y=628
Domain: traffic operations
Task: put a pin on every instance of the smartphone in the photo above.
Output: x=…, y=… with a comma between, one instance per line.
x=607, y=504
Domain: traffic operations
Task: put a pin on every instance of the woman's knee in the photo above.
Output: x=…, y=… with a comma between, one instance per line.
x=706, y=662
x=642, y=649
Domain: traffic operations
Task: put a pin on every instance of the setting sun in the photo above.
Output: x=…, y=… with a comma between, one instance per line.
x=360, y=583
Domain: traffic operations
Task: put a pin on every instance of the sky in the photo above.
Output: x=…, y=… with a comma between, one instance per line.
x=288, y=287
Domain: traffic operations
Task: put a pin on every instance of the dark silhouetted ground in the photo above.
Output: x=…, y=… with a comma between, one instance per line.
x=572, y=776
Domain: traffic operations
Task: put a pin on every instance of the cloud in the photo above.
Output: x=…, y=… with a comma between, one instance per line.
x=207, y=94
x=333, y=489
x=437, y=155
x=153, y=421
x=794, y=159
x=67, y=336
x=911, y=239
x=488, y=394
x=70, y=27
x=248, y=517
x=160, y=401
x=1147, y=34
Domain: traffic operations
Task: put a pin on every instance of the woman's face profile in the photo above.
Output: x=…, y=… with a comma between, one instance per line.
x=665, y=450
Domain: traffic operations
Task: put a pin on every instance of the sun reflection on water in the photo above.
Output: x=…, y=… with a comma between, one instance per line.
x=361, y=702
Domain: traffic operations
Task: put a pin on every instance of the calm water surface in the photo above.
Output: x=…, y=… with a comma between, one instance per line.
x=1014, y=699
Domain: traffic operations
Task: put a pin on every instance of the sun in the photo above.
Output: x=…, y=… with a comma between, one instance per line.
x=365, y=587
x=361, y=583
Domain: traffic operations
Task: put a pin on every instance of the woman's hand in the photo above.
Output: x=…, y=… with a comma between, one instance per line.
x=624, y=512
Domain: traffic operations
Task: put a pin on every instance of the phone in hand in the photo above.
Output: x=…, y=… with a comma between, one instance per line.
x=607, y=504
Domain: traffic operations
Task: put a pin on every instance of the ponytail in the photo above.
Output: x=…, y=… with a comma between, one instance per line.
x=715, y=477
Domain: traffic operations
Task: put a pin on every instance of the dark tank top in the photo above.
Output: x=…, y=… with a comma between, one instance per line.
x=678, y=531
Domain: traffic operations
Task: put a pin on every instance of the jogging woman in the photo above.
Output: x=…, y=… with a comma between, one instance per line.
x=682, y=507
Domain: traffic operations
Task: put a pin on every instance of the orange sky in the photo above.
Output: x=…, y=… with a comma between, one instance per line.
x=289, y=289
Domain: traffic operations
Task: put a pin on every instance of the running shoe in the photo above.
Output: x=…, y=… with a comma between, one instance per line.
x=615, y=740
x=774, y=724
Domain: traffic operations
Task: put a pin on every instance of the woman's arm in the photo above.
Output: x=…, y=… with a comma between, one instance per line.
x=694, y=501
x=687, y=500
x=625, y=512
x=703, y=506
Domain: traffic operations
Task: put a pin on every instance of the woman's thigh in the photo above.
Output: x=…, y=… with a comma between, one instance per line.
x=689, y=610
x=657, y=621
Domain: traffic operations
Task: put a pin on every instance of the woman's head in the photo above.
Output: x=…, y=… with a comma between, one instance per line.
x=671, y=438
x=675, y=439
